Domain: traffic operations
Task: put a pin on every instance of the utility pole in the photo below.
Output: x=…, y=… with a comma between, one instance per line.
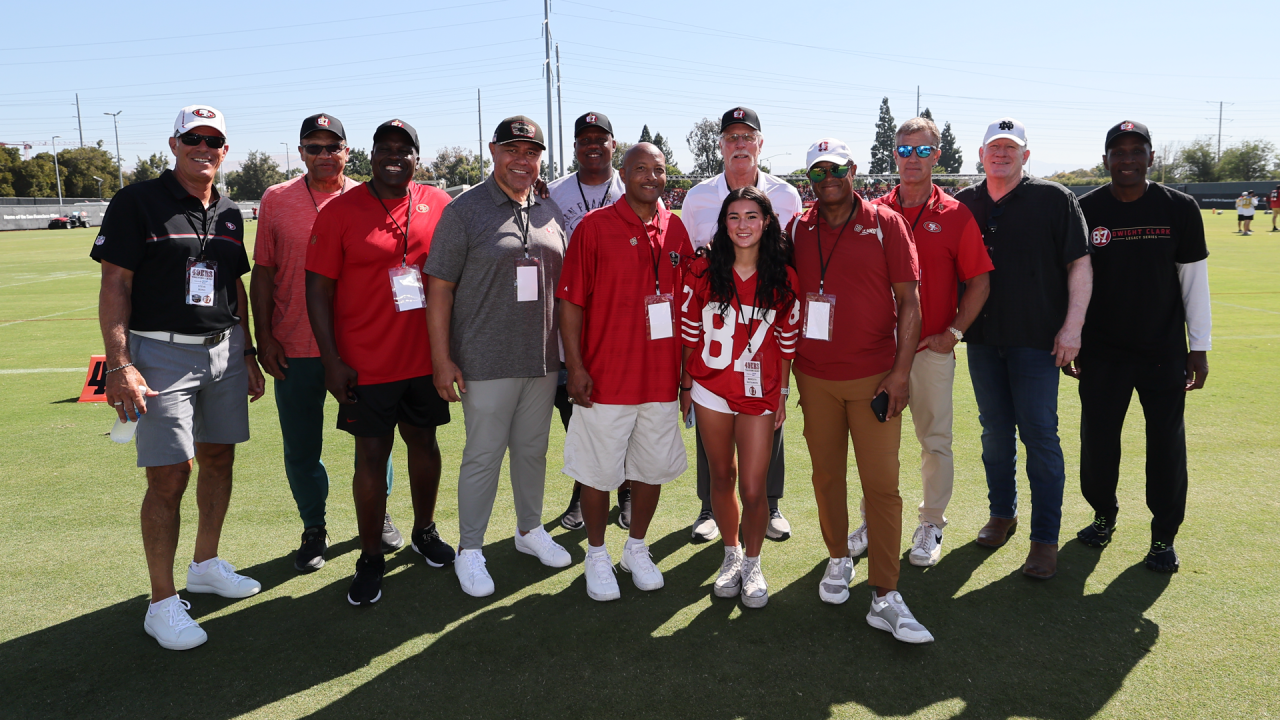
x=1221, y=103
x=917, y=101
x=560, y=110
x=119, y=158
x=480, y=136
x=79, y=122
x=286, y=159
x=57, y=174
x=546, y=33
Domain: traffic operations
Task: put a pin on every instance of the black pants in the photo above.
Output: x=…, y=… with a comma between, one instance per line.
x=777, y=471
x=1107, y=382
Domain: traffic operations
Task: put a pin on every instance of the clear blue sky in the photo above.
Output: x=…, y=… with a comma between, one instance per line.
x=1067, y=70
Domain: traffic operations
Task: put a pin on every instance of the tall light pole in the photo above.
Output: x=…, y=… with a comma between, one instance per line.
x=546, y=31
x=57, y=174
x=286, y=159
x=765, y=160
x=95, y=177
x=560, y=109
x=119, y=158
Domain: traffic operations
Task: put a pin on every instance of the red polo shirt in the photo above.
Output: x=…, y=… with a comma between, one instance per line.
x=950, y=250
x=861, y=270
x=608, y=271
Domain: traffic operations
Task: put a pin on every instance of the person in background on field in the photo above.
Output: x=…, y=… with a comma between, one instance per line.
x=1273, y=203
x=1028, y=329
x=740, y=321
x=175, y=323
x=493, y=269
x=286, y=346
x=857, y=271
x=365, y=302
x=593, y=186
x=741, y=140
x=950, y=250
x=1246, y=206
x=1150, y=295
x=617, y=297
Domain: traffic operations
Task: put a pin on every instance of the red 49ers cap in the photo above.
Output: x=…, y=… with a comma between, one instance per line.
x=322, y=121
x=1127, y=126
x=517, y=128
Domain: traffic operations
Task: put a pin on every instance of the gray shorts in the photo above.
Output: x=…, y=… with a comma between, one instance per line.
x=204, y=397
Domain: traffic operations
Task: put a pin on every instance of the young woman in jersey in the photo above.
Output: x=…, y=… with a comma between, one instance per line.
x=740, y=322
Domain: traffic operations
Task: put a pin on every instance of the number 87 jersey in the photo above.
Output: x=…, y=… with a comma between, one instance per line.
x=726, y=335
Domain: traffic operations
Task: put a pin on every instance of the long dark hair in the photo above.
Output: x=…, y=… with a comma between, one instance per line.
x=773, y=292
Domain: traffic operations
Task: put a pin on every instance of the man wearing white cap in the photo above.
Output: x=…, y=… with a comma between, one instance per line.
x=175, y=323
x=741, y=140
x=1029, y=328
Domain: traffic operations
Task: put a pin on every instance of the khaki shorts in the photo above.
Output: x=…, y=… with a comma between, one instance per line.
x=607, y=445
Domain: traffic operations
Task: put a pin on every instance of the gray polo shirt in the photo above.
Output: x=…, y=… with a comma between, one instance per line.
x=476, y=245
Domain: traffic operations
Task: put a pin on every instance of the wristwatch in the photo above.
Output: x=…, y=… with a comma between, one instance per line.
x=786, y=391
x=250, y=351
x=959, y=335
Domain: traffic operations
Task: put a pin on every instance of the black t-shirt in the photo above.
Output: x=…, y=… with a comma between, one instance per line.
x=1032, y=234
x=1137, y=247
x=153, y=228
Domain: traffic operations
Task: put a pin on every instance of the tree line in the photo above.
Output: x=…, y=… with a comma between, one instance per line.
x=1196, y=161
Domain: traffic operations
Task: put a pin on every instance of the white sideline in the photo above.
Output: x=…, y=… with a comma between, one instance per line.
x=25, y=371
x=42, y=317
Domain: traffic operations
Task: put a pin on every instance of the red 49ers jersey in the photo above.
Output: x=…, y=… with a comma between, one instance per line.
x=720, y=343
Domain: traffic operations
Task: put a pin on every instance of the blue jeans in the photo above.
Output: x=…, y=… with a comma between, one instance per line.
x=1017, y=390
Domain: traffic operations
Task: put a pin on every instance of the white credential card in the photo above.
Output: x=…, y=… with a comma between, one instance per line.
x=526, y=283
x=660, y=321
x=819, y=321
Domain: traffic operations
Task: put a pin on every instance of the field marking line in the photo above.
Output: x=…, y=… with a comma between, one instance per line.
x=1248, y=337
x=1245, y=307
x=27, y=371
x=42, y=317
x=56, y=277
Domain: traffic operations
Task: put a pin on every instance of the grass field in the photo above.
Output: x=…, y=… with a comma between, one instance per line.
x=1106, y=638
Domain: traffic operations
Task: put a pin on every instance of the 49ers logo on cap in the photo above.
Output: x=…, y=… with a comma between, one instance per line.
x=523, y=129
x=322, y=121
x=1126, y=126
x=396, y=123
x=1100, y=237
x=739, y=114
x=933, y=227
x=824, y=146
x=1006, y=124
x=591, y=118
x=205, y=113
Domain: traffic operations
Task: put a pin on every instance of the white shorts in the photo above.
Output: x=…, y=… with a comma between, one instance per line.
x=607, y=445
x=712, y=401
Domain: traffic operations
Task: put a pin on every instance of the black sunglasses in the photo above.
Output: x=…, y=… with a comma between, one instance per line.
x=993, y=218
x=924, y=151
x=316, y=149
x=192, y=140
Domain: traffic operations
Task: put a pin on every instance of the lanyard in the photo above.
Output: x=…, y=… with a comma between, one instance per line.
x=522, y=223
x=822, y=265
x=306, y=180
x=654, y=256
x=918, y=215
x=586, y=206
x=204, y=225
x=408, y=218
x=751, y=331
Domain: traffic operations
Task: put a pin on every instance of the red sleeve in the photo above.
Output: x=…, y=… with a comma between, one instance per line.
x=264, y=243
x=325, y=252
x=899, y=248
x=787, y=325
x=971, y=257
x=691, y=301
x=577, y=275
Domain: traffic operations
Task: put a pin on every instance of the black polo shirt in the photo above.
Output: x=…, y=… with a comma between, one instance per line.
x=1137, y=308
x=1032, y=234
x=153, y=228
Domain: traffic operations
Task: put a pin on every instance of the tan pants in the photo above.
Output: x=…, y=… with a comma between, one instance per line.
x=833, y=413
x=932, y=377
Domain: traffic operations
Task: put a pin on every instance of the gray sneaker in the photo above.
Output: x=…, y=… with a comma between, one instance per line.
x=705, y=528
x=729, y=581
x=391, y=539
x=834, y=588
x=890, y=613
x=755, y=591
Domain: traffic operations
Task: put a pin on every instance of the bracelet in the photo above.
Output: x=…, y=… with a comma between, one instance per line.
x=686, y=389
x=248, y=352
x=128, y=364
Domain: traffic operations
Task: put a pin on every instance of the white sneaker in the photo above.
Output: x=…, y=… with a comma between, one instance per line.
x=705, y=528
x=890, y=613
x=538, y=542
x=637, y=561
x=926, y=545
x=858, y=540
x=729, y=581
x=834, y=588
x=220, y=578
x=472, y=575
x=778, y=528
x=602, y=584
x=755, y=591
x=171, y=626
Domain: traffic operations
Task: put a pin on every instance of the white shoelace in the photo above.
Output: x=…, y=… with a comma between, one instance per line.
x=544, y=541
x=732, y=565
x=228, y=571
x=753, y=579
x=177, y=617
x=924, y=534
x=602, y=566
x=643, y=557
x=475, y=565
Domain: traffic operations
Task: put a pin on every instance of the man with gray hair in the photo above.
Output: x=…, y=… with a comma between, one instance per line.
x=1029, y=328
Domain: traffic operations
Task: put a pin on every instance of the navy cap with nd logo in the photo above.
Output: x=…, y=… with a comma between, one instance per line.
x=1126, y=127
x=402, y=126
x=322, y=121
x=517, y=128
x=592, y=119
x=743, y=115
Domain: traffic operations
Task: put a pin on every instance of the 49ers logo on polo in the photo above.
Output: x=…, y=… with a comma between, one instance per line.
x=933, y=227
x=1100, y=237
x=523, y=129
x=739, y=114
x=423, y=207
x=205, y=113
x=322, y=121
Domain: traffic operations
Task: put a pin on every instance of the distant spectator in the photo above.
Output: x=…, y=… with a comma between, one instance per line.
x=1246, y=206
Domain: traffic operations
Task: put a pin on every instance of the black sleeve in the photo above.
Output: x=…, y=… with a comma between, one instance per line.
x=1073, y=243
x=1191, y=243
x=122, y=239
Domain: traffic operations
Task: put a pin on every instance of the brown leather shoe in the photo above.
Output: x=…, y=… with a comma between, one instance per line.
x=1042, y=561
x=996, y=532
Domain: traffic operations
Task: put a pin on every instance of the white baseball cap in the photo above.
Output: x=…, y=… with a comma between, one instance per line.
x=828, y=150
x=1006, y=128
x=194, y=116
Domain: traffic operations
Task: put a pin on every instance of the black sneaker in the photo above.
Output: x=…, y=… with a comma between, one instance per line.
x=391, y=538
x=310, y=557
x=427, y=543
x=624, y=509
x=1099, y=532
x=366, y=586
x=1162, y=558
x=572, y=518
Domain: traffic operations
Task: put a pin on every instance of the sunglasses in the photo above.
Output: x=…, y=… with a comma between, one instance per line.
x=192, y=140
x=817, y=174
x=316, y=149
x=993, y=219
x=924, y=151
x=733, y=138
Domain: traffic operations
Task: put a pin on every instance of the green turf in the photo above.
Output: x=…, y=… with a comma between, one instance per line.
x=1106, y=638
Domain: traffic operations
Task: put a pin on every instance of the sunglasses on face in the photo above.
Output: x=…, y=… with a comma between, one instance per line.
x=744, y=137
x=924, y=151
x=817, y=174
x=316, y=149
x=192, y=140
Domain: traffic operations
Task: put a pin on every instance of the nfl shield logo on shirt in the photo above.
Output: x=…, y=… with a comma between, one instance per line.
x=100, y=239
x=1100, y=237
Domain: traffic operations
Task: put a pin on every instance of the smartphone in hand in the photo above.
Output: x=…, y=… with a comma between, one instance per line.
x=880, y=406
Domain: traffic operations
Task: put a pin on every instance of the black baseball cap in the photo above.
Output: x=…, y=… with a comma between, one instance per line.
x=517, y=128
x=592, y=119
x=744, y=115
x=400, y=125
x=1125, y=127
x=322, y=121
